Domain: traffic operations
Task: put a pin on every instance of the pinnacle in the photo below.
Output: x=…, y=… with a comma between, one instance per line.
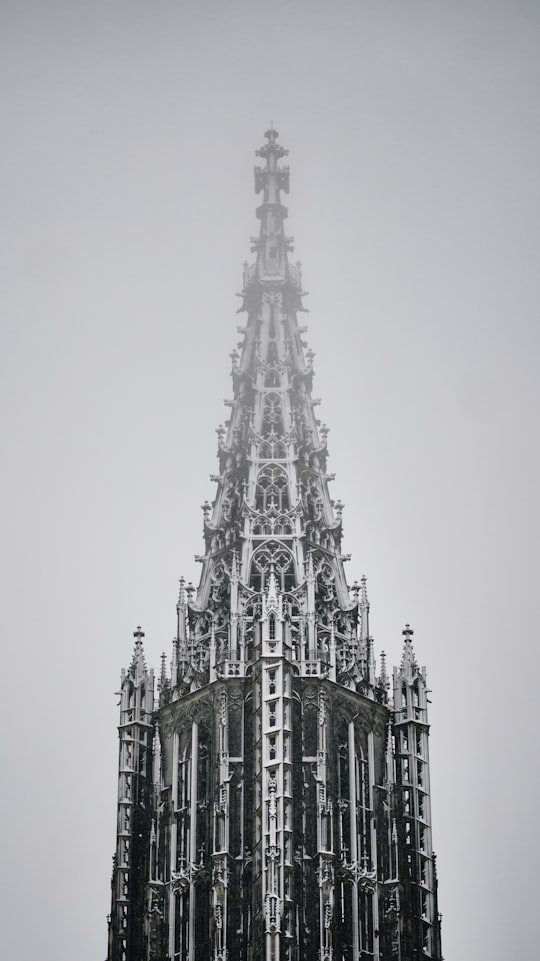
x=408, y=659
x=363, y=589
x=181, y=592
x=138, y=663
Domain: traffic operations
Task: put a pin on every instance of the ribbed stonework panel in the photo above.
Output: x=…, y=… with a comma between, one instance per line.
x=284, y=807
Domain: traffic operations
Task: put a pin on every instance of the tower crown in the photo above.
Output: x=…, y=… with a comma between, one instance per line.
x=271, y=178
x=271, y=245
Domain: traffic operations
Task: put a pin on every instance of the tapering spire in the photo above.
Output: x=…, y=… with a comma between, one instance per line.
x=383, y=676
x=163, y=679
x=271, y=178
x=138, y=664
x=272, y=521
x=408, y=659
x=364, y=609
x=272, y=244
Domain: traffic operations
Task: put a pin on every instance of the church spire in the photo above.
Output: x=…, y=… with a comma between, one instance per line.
x=272, y=245
x=273, y=506
x=409, y=666
x=254, y=816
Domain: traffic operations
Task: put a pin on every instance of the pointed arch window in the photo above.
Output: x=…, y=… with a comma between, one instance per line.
x=272, y=556
x=272, y=449
x=272, y=491
x=272, y=379
x=266, y=450
x=272, y=526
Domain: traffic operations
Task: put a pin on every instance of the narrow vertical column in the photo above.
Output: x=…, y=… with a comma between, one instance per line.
x=419, y=898
x=325, y=840
x=373, y=844
x=310, y=606
x=174, y=843
x=135, y=792
x=193, y=836
x=220, y=872
x=354, y=843
x=276, y=781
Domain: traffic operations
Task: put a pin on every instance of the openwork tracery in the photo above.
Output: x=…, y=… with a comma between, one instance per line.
x=272, y=491
x=272, y=448
x=272, y=557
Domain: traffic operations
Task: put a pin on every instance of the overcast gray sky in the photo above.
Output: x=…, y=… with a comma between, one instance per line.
x=127, y=204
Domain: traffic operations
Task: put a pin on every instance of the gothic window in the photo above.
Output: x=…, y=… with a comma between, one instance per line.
x=272, y=450
x=266, y=449
x=262, y=526
x=272, y=556
x=266, y=526
x=283, y=527
x=272, y=627
x=272, y=490
x=272, y=379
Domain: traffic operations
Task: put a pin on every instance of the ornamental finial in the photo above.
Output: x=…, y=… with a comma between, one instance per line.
x=408, y=659
x=272, y=149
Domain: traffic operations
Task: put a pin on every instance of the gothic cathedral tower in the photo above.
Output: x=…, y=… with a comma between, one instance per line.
x=273, y=798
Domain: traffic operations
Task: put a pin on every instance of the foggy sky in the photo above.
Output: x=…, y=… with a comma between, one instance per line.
x=129, y=131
